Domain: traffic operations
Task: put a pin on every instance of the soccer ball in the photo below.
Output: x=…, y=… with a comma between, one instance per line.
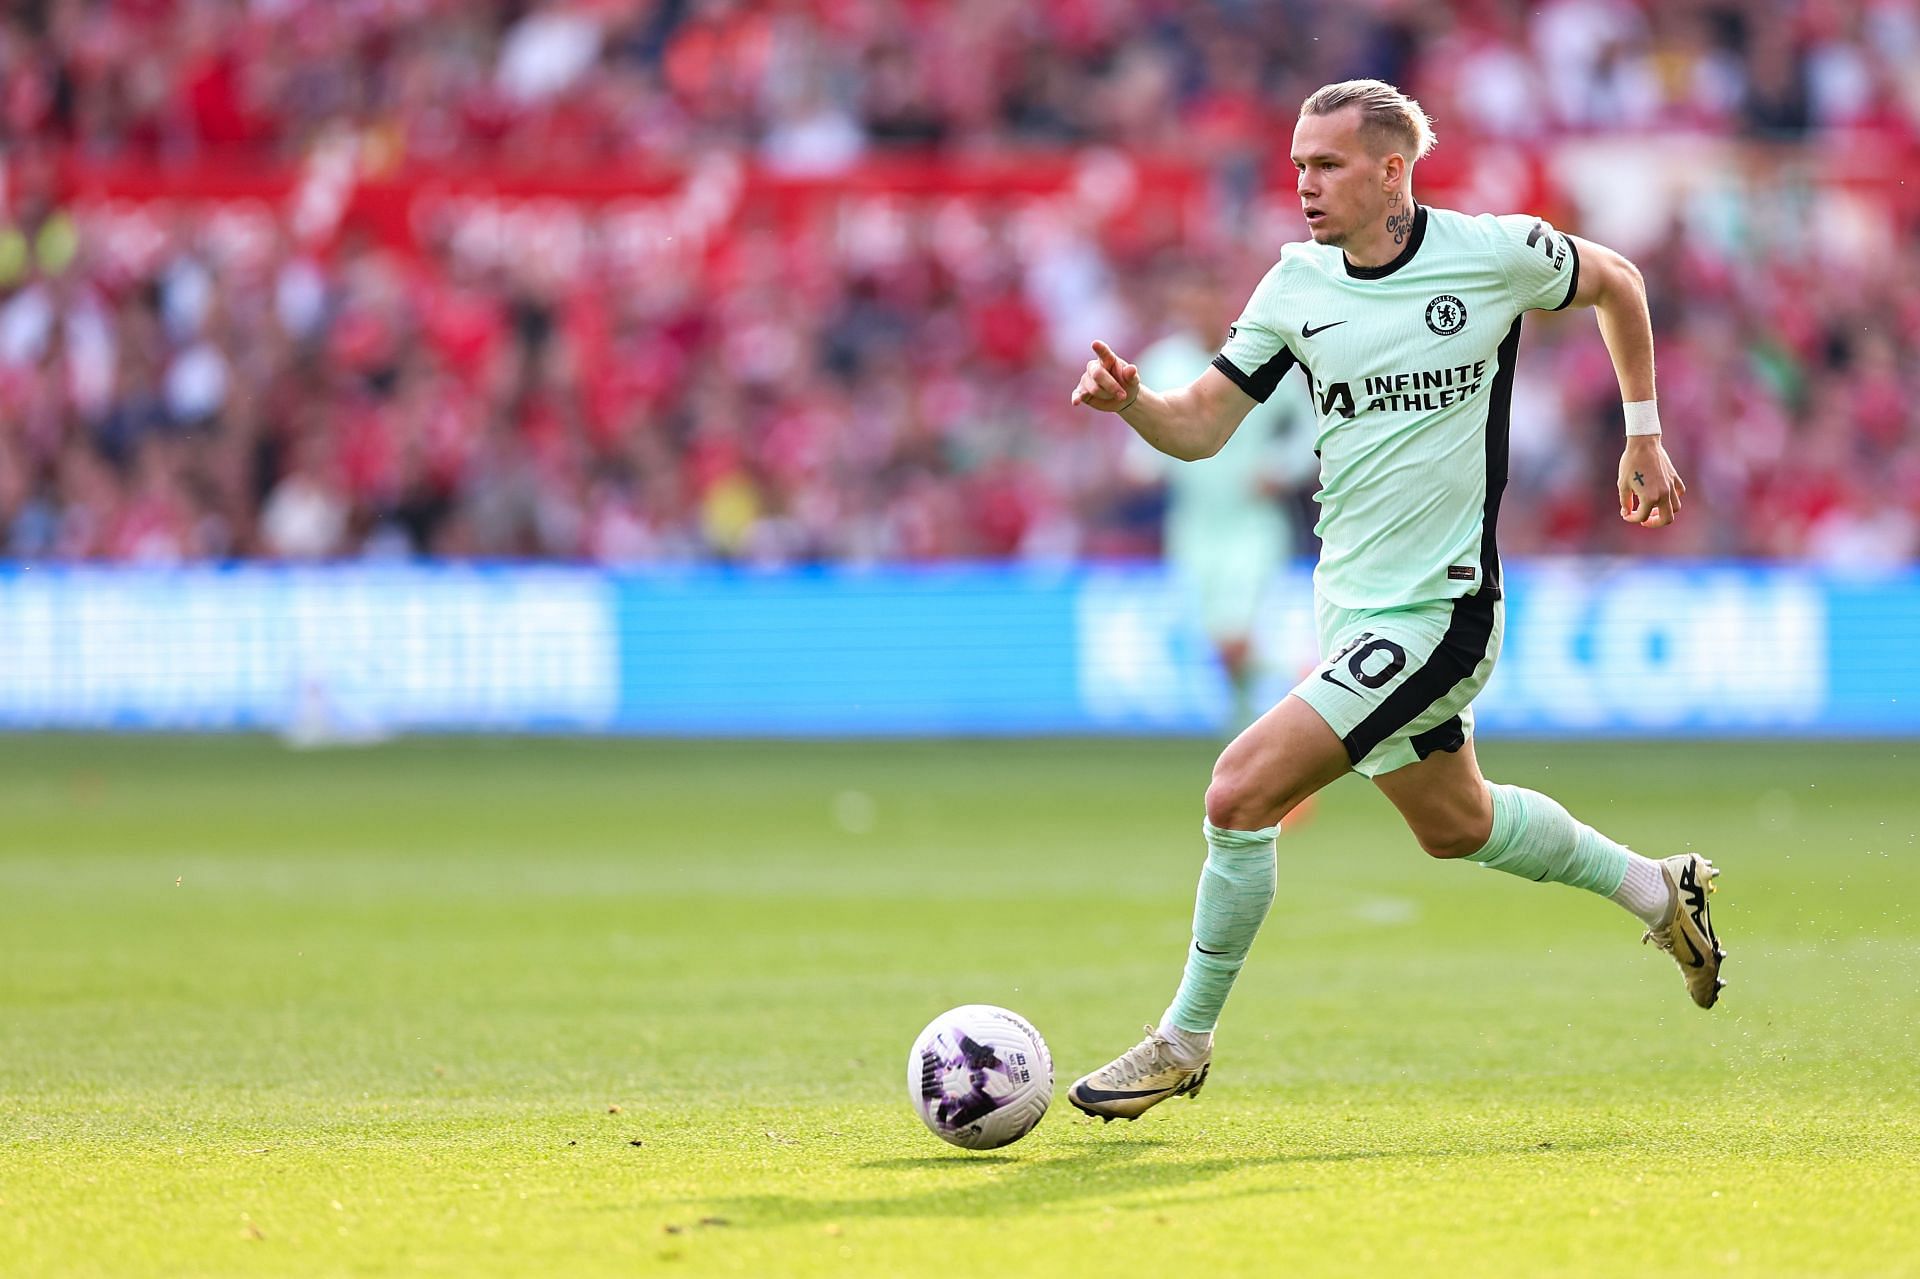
x=980, y=1076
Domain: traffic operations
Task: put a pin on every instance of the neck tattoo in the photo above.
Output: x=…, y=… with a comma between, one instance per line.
x=1400, y=225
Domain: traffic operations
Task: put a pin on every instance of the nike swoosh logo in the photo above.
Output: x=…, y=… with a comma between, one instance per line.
x=1697, y=901
x=1101, y=1094
x=1307, y=330
x=1328, y=676
x=1203, y=950
x=1698, y=960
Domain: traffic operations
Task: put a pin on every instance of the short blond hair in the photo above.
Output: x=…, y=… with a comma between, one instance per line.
x=1385, y=113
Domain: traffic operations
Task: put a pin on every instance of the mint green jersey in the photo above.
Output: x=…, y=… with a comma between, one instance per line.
x=1219, y=505
x=1227, y=530
x=1411, y=371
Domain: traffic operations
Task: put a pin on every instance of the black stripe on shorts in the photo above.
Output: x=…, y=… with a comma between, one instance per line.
x=1461, y=649
x=1450, y=736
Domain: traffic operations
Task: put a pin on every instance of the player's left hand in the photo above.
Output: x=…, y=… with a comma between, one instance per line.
x=1650, y=489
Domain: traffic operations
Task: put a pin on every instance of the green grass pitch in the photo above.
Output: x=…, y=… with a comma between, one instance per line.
x=479, y=1007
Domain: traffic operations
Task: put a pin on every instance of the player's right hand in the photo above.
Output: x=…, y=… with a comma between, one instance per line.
x=1109, y=384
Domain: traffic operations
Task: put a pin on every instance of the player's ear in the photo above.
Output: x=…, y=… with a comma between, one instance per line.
x=1395, y=172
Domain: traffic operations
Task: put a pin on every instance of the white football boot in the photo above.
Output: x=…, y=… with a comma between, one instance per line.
x=1138, y=1080
x=1688, y=933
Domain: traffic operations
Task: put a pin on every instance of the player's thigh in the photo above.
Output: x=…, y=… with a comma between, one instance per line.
x=1444, y=801
x=1280, y=760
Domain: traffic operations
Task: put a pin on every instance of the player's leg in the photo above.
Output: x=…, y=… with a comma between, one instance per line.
x=1264, y=773
x=1354, y=700
x=1454, y=812
x=1235, y=651
x=1223, y=579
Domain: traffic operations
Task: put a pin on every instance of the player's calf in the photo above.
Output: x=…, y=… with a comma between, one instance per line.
x=1535, y=838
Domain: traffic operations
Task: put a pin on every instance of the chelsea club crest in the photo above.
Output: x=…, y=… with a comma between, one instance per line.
x=1446, y=315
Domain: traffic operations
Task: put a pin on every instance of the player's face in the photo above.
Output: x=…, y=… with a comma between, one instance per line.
x=1342, y=184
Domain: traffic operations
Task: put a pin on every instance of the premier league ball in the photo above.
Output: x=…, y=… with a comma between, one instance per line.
x=980, y=1076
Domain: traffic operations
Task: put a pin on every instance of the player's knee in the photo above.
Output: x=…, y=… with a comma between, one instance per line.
x=1236, y=802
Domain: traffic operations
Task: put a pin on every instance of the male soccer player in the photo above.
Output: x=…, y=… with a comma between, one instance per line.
x=1227, y=532
x=1406, y=321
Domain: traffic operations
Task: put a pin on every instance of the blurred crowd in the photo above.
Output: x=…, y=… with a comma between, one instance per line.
x=797, y=400
x=813, y=83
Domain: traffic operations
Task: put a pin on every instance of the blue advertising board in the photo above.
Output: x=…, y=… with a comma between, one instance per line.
x=1592, y=648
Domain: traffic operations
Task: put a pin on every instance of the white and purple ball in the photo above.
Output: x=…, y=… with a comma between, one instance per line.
x=980, y=1076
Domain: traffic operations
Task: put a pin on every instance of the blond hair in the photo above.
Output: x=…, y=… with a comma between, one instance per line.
x=1385, y=113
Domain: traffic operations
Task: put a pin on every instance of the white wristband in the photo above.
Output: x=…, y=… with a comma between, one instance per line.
x=1643, y=417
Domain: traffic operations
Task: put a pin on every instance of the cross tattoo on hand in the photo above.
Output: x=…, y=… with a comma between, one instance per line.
x=1639, y=479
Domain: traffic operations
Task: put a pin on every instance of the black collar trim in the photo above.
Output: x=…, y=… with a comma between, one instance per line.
x=1405, y=256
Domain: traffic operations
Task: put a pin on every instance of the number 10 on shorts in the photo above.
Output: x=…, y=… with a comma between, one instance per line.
x=1370, y=661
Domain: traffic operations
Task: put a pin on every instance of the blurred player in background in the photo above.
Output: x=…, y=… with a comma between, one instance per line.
x=1406, y=321
x=1228, y=528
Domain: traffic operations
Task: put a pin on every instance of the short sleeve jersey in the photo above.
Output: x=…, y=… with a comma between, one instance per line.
x=1217, y=503
x=1411, y=371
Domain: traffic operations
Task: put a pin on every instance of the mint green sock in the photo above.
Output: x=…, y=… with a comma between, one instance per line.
x=1236, y=889
x=1534, y=838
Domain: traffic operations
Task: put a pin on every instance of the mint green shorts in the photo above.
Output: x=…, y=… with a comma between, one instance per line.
x=1398, y=683
x=1223, y=590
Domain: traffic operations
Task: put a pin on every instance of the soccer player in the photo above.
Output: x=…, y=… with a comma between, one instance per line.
x=1406, y=322
x=1227, y=532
